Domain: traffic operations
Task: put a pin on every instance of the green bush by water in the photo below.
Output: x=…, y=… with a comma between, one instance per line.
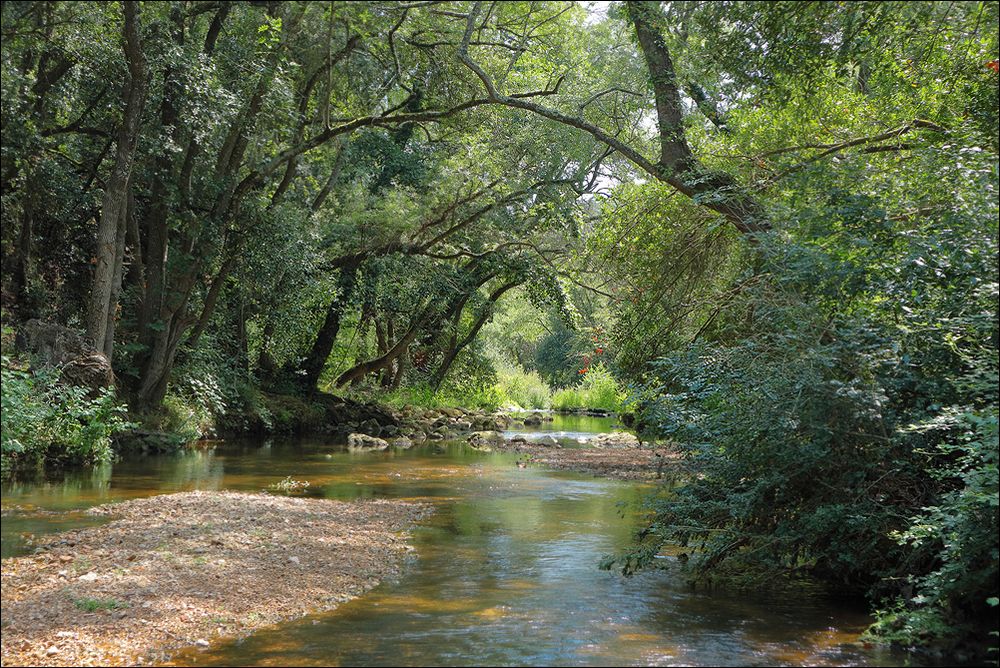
x=598, y=389
x=46, y=422
x=524, y=389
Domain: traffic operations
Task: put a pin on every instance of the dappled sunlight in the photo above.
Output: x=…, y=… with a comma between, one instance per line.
x=503, y=572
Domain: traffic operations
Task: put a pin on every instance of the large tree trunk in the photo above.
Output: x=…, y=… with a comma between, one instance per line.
x=678, y=165
x=155, y=224
x=22, y=260
x=116, y=280
x=327, y=335
x=111, y=229
x=456, y=347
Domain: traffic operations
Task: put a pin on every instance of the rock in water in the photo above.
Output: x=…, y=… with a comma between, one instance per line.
x=485, y=439
x=366, y=442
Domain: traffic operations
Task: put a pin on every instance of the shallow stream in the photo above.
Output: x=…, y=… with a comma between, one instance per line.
x=504, y=573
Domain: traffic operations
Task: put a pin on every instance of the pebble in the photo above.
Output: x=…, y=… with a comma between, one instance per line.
x=114, y=638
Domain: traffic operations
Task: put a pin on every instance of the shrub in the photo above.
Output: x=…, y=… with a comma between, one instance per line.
x=842, y=425
x=954, y=542
x=47, y=422
x=524, y=389
x=598, y=389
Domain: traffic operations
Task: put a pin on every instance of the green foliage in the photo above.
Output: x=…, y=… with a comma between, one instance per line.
x=95, y=604
x=837, y=436
x=832, y=384
x=956, y=539
x=598, y=389
x=288, y=485
x=519, y=388
x=45, y=422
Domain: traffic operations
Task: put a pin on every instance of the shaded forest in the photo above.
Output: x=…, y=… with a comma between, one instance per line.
x=763, y=232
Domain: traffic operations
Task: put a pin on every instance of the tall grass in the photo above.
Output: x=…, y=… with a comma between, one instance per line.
x=511, y=387
x=487, y=397
x=524, y=389
x=598, y=389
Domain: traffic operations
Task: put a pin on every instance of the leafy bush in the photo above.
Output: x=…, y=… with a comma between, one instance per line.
x=849, y=434
x=954, y=541
x=598, y=389
x=524, y=389
x=211, y=396
x=46, y=422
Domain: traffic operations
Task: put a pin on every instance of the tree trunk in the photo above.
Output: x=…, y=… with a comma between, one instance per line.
x=211, y=300
x=359, y=371
x=456, y=348
x=111, y=230
x=327, y=335
x=397, y=376
x=22, y=267
x=116, y=280
x=678, y=165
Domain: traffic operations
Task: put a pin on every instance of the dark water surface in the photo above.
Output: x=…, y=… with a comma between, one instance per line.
x=504, y=573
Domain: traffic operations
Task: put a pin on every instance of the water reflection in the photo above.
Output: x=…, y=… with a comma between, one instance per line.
x=505, y=570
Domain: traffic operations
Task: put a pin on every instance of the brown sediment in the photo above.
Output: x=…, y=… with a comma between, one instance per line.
x=648, y=462
x=187, y=569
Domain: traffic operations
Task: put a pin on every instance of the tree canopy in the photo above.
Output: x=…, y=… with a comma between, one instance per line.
x=776, y=222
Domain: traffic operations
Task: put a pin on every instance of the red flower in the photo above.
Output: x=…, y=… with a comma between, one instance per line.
x=993, y=65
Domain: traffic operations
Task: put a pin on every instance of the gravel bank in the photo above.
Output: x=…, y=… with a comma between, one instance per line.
x=624, y=463
x=187, y=569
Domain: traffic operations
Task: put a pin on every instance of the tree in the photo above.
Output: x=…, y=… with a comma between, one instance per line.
x=108, y=267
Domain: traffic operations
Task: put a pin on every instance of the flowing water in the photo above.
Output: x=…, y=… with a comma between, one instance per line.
x=504, y=573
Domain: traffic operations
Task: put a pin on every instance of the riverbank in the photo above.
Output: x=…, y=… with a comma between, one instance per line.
x=188, y=569
x=618, y=455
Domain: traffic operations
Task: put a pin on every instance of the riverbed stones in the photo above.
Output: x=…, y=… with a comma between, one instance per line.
x=370, y=427
x=616, y=439
x=366, y=442
x=173, y=593
x=485, y=439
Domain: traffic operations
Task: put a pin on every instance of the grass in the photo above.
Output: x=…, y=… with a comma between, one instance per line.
x=514, y=388
x=95, y=604
x=598, y=389
x=525, y=389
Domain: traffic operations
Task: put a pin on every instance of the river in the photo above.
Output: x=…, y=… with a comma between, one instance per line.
x=504, y=573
